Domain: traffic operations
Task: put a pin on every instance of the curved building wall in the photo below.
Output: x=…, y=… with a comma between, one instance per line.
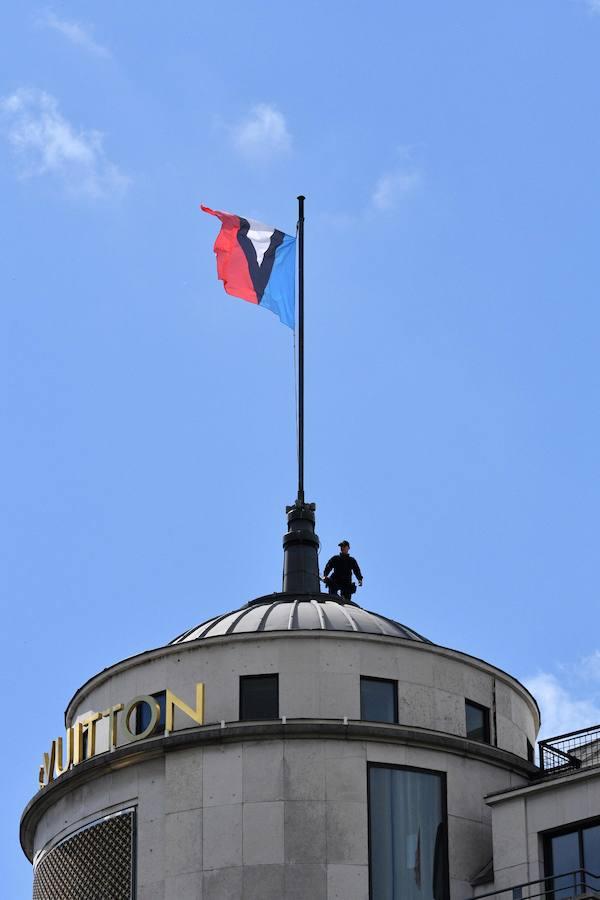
x=279, y=809
x=273, y=819
x=319, y=677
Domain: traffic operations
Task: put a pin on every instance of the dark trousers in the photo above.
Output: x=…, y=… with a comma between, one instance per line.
x=344, y=589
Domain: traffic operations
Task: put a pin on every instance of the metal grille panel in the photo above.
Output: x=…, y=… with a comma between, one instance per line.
x=94, y=864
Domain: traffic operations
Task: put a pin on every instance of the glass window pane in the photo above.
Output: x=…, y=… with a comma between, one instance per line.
x=143, y=715
x=591, y=856
x=407, y=843
x=378, y=700
x=530, y=752
x=259, y=697
x=478, y=722
x=564, y=849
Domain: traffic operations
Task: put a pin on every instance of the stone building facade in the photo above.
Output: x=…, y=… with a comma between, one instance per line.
x=305, y=748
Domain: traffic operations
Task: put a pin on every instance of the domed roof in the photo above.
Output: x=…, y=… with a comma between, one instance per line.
x=287, y=612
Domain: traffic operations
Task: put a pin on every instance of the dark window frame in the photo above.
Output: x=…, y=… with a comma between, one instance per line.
x=246, y=679
x=444, y=791
x=394, y=683
x=487, y=732
x=577, y=827
x=161, y=699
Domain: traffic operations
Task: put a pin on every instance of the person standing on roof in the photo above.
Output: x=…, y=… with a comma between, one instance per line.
x=342, y=566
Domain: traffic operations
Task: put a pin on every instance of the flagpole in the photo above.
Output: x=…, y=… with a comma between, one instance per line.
x=301, y=349
x=301, y=544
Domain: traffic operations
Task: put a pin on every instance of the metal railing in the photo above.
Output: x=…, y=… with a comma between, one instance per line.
x=569, y=752
x=554, y=887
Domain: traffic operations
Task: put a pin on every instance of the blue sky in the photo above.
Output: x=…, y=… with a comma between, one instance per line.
x=450, y=155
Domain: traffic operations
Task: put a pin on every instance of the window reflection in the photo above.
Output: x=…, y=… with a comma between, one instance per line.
x=576, y=852
x=378, y=700
x=477, y=721
x=143, y=714
x=407, y=835
x=565, y=858
x=591, y=856
x=259, y=697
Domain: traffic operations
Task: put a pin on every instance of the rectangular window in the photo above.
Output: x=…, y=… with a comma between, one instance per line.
x=378, y=699
x=408, y=848
x=478, y=722
x=143, y=714
x=530, y=752
x=568, y=852
x=259, y=697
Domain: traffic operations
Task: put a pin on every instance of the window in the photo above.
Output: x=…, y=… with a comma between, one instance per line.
x=259, y=697
x=408, y=850
x=478, y=722
x=378, y=700
x=578, y=848
x=530, y=752
x=143, y=714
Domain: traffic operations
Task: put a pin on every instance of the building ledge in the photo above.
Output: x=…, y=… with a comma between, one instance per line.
x=550, y=782
x=292, y=729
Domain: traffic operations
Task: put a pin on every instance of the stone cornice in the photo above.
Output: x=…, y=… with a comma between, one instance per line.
x=293, y=729
x=545, y=783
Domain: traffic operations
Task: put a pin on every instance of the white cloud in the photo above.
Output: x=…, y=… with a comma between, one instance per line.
x=589, y=667
x=341, y=220
x=263, y=133
x=562, y=709
x=403, y=177
x=75, y=32
x=45, y=143
x=392, y=186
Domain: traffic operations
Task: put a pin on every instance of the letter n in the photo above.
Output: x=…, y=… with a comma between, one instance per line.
x=172, y=701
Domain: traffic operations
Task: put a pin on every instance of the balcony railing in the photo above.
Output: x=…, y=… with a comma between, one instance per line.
x=577, y=883
x=568, y=752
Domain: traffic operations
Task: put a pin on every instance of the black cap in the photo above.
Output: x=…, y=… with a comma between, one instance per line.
x=344, y=544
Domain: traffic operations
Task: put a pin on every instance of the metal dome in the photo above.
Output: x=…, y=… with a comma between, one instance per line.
x=287, y=612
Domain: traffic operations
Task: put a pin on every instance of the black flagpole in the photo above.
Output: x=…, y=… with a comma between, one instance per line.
x=301, y=544
x=301, y=349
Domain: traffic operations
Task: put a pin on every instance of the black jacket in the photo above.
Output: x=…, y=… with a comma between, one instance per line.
x=343, y=565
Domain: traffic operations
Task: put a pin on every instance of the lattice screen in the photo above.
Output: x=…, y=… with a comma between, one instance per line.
x=95, y=864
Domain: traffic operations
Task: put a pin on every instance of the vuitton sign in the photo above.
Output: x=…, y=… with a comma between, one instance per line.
x=101, y=732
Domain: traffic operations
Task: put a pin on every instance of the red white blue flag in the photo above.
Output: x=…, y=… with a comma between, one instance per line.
x=257, y=263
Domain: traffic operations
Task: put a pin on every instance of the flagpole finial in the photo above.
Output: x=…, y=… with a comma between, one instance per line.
x=301, y=551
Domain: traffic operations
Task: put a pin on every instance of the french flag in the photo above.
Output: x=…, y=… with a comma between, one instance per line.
x=257, y=263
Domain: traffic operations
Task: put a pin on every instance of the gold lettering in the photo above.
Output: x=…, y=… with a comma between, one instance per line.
x=90, y=723
x=77, y=743
x=60, y=768
x=112, y=724
x=171, y=701
x=154, y=716
x=55, y=762
x=49, y=762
